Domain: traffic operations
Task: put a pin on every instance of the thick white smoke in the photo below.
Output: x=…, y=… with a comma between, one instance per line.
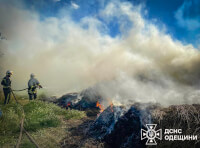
x=143, y=64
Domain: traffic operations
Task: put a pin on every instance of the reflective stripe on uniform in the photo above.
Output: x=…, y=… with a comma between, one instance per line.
x=30, y=91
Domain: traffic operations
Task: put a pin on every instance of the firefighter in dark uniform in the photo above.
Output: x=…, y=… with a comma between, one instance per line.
x=6, y=82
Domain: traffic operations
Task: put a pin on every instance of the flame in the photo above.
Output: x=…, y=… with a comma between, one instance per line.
x=68, y=104
x=100, y=106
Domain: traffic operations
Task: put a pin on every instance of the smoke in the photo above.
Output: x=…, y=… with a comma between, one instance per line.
x=143, y=63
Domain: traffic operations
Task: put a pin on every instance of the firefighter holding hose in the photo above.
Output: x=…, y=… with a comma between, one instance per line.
x=33, y=83
x=6, y=82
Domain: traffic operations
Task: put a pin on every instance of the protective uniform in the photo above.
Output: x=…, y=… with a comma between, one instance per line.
x=6, y=82
x=33, y=83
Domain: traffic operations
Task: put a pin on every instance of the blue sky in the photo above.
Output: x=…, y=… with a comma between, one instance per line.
x=181, y=18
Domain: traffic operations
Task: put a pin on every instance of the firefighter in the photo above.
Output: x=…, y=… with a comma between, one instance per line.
x=33, y=83
x=6, y=82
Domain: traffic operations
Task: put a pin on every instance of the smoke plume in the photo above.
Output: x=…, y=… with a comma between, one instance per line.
x=143, y=63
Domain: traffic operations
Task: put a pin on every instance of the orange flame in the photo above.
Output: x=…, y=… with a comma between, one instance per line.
x=68, y=104
x=100, y=106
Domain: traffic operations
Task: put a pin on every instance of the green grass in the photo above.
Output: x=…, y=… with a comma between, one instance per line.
x=74, y=114
x=27, y=144
x=38, y=116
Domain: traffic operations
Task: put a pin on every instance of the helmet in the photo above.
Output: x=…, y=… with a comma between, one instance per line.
x=9, y=72
x=32, y=75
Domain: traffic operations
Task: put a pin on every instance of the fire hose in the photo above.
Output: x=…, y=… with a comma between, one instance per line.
x=20, y=89
x=22, y=126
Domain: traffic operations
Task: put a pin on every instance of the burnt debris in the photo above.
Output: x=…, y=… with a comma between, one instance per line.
x=119, y=127
x=88, y=100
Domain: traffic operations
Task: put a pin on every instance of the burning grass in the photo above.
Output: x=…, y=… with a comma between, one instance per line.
x=118, y=126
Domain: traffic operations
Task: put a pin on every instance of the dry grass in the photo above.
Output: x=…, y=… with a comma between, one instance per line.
x=48, y=138
x=185, y=117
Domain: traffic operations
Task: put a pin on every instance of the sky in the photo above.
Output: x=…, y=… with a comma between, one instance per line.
x=136, y=50
x=181, y=18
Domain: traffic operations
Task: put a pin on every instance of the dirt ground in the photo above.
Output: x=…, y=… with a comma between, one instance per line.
x=76, y=134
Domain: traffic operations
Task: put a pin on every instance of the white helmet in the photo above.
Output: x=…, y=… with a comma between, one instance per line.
x=9, y=72
x=32, y=75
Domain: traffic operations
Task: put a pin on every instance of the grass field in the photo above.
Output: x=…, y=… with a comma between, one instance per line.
x=44, y=121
